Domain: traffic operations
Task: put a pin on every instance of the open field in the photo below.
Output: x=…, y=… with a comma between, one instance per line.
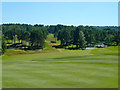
x=93, y=68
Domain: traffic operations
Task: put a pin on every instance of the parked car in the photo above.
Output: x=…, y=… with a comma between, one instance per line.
x=100, y=46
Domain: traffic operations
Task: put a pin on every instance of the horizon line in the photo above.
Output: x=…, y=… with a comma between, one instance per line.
x=60, y=24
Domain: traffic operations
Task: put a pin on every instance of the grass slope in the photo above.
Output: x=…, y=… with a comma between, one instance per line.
x=97, y=68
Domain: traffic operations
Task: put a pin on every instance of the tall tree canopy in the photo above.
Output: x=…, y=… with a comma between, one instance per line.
x=81, y=36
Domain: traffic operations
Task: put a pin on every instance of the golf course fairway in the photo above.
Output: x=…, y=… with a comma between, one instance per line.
x=93, y=68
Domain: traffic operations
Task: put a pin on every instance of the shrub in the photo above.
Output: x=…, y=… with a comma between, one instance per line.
x=53, y=41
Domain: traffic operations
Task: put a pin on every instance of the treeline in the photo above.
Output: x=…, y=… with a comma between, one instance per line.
x=25, y=34
x=81, y=36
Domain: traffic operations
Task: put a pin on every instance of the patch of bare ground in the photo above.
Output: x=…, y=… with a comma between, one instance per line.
x=59, y=50
x=53, y=44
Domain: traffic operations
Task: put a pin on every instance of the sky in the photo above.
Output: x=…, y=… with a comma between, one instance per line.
x=60, y=0
x=67, y=13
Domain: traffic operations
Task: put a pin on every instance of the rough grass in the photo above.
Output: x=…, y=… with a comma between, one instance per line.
x=97, y=68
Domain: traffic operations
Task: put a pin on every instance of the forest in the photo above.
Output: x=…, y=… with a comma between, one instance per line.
x=32, y=37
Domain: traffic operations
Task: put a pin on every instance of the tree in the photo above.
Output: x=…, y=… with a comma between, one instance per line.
x=37, y=37
x=60, y=37
x=4, y=47
x=109, y=39
x=117, y=37
x=8, y=35
x=64, y=36
x=14, y=29
x=20, y=34
x=25, y=36
x=79, y=39
x=68, y=35
x=82, y=42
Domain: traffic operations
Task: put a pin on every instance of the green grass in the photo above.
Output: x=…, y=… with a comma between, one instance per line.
x=48, y=44
x=95, y=68
x=106, y=51
x=48, y=47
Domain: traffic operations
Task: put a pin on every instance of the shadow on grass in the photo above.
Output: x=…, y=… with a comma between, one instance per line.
x=23, y=47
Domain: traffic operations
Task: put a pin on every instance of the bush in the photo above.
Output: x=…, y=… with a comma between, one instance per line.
x=33, y=48
x=58, y=46
x=53, y=41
